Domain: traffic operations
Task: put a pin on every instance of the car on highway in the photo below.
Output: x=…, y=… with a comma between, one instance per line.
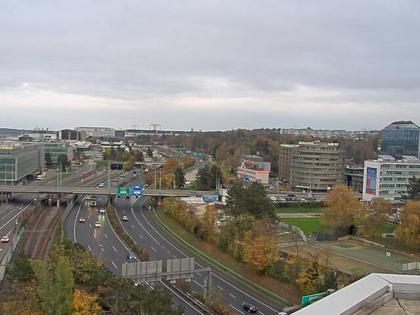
x=248, y=307
x=5, y=239
x=98, y=224
x=82, y=220
x=102, y=211
x=101, y=185
x=130, y=255
x=125, y=218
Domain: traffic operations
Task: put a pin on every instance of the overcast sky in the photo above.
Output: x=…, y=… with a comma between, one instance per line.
x=209, y=64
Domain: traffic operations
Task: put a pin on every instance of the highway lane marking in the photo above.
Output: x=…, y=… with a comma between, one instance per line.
x=200, y=285
x=219, y=287
x=102, y=249
x=141, y=236
x=112, y=228
x=153, y=249
x=106, y=236
x=11, y=219
x=90, y=248
x=142, y=226
x=201, y=266
x=113, y=247
x=236, y=309
x=75, y=222
x=230, y=294
x=132, y=226
x=114, y=265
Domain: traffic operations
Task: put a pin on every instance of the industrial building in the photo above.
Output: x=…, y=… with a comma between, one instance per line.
x=73, y=135
x=401, y=138
x=252, y=169
x=388, y=177
x=317, y=166
x=18, y=160
x=375, y=294
x=97, y=132
x=286, y=153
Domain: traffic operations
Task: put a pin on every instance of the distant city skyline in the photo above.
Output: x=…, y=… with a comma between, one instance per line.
x=209, y=65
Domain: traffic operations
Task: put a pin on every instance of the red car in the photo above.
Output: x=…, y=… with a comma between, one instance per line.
x=5, y=239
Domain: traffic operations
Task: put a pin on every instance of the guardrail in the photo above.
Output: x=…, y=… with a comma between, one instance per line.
x=7, y=256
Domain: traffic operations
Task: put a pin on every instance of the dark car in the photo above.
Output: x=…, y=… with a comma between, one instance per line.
x=249, y=307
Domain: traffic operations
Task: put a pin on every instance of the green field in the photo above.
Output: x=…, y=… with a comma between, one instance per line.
x=389, y=227
x=307, y=225
x=298, y=209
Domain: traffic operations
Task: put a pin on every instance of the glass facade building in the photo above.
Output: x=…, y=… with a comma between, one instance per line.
x=401, y=138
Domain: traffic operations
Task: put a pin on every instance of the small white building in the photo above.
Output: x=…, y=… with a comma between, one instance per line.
x=254, y=169
x=388, y=178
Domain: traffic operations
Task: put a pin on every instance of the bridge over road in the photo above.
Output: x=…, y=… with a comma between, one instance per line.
x=98, y=191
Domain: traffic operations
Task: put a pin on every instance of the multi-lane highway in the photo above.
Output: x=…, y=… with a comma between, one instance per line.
x=105, y=244
x=144, y=229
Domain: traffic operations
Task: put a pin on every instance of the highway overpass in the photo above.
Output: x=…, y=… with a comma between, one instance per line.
x=98, y=191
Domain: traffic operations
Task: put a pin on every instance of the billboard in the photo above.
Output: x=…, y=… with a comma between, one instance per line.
x=371, y=178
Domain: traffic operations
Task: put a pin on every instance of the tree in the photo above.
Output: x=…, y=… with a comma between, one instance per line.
x=168, y=180
x=409, y=231
x=139, y=156
x=48, y=160
x=149, y=152
x=85, y=304
x=252, y=199
x=373, y=218
x=22, y=269
x=208, y=222
x=55, y=284
x=170, y=165
x=260, y=252
x=179, y=177
x=413, y=188
x=342, y=209
x=309, y=279
x=131, y=162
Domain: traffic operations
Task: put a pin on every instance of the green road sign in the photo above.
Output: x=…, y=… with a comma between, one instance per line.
x=308, y=299
x=123, y=192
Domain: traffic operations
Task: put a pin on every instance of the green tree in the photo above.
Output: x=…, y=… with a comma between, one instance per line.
x=179, y=177
x=413, y=188
x=139, y=156
x=22, y=269
x=373, y=217
x=55, y=284
x=149, y=152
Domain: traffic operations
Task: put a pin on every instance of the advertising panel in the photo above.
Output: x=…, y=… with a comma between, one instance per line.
x=371, y=178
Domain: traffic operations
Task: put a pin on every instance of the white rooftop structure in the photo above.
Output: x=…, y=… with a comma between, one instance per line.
x=376, y=293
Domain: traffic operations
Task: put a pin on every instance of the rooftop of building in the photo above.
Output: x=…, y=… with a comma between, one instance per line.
x=376, y=293
x=285, y=145
x=402, y=124
x=404, y=159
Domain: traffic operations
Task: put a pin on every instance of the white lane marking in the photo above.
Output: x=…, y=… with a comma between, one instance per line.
x=181, y=298
x=102, y=249
x=153, y=249
x=200, y=285
x=201, y=266
x=142, y=226
x=75, y=221
x=90, y=225
x=113, y=247
x=106, y=236
x=230, y=294
x=114, y=265
x=11, y=219
x=219, y=287
x=109, y=223
x=132, y=226
x=141, y=236
x=238, y=310
x=90, y=248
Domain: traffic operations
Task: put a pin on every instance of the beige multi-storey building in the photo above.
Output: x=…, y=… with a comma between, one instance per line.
x=286, y=153
x=317, y=166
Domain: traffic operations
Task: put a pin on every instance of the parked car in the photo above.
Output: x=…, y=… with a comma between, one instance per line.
x=5, y=239
x=248, y=307
x=82, y=220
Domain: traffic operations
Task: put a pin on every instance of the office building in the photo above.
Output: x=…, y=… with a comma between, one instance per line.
x=354, y=177
x=97, y=132
x=39, y=135
x=388, y=177
x=252, y=168
x=53, y=151
x=286, y=153
x=375, y=294
x=73, y=135
x=317, y=166
x=401, y=138
x=17, y=161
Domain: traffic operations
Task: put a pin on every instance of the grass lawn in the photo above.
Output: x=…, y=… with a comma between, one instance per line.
x=298, y=209
x=389, y=227
x=307, y=225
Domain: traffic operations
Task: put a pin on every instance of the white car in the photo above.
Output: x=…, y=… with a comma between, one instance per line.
x=102, y=211
x=101, y=185
x=98, y=224
x=125, y=218
x=82, y=220
x=5, y=239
